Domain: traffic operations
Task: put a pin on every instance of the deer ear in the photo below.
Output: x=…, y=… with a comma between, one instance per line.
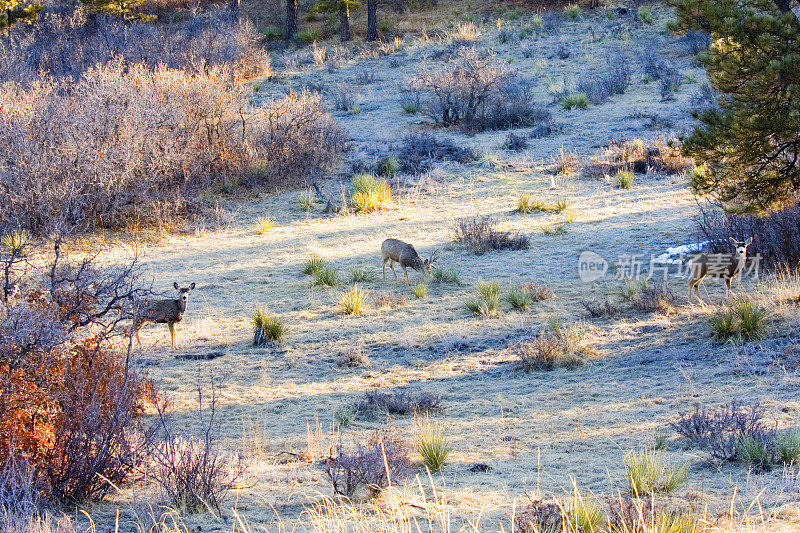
x=191, y=287
x=749, y=241
x=177, y=287
x=734, y=241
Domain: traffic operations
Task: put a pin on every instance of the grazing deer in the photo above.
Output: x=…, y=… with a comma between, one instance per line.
x=725, y=266
x=168, y=312
x=397, y=251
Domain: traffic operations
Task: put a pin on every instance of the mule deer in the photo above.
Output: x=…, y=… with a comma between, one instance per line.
x=397, y=251
x=725, y=266
x=168, y=312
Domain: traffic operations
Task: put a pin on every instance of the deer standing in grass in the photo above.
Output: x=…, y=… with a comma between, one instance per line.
x=168, y=312
x=397, y=251
x=725, y=266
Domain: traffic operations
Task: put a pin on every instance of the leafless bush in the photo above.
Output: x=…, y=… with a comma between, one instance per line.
x=477, y=92
x=538, y=291
x=399, y=402
x=719, y=431
x=371, y=465
x=63, y=45
x=419, y=150
x=480, y=235
x=601, y=307
x=515, y=142
x=192, y=472
x=20, y=498
x=600, y=87
x=344, y=97
x=551, y=349
x=541, y=517
x=776, y=237
x=656, y=296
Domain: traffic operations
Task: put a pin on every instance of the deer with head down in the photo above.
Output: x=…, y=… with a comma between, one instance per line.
x=168, y=312
x=397, y=251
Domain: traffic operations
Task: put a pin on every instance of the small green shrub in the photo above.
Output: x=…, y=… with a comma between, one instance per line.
x=554, y=229
x=264, y=224
x=561, y=205
x=362, y=274
x=369, y=194
x=353, y=301
x=307, y=36
x=411, y=108
x=787, y=446
x=572, y=11
x=754, y=451
x=432, y=445
x=623, y=179
x=305, y=201
x=325, y=276
x=645, y=14
x=579, y=100
x=527, y=203
x=744, y=320
x=313, y=264
x=389, y=166
x=445, y=275
x=272, y=33
x=647, y=473
x=268, y=327
x=420, y=290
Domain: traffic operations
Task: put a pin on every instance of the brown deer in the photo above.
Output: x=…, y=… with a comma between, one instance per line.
x=725, y=266
x=397, y=251
x=168, y=312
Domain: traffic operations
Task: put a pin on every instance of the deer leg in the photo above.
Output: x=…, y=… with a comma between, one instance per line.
x=172, y=333
x=391, y=265
x=728, y=290
x=405, y=274
x=384, y=267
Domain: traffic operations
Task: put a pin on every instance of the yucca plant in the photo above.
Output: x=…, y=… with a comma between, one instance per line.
x=554, y=229
x=15, y=241
x=584, y=514
x=623, y=179
x=268, y=327
x=445, y=275
x=325, y=276
x=572, y=11
x=787, y=446
x=487, y=301
x=647, y=473
x=751, y=318
x=432, y=445
x=420, y=290
x=369, y=194
x=353, y=301
x=755, y=451
x=579, y=100
x=362, y=274
x=306, y=201
x=723, y=326
x=561, y=205
x=313, y=265
x=520, y=298
x=264, y=224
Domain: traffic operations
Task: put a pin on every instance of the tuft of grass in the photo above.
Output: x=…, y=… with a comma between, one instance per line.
x=307, y=36
x=645, y=14
x=527, y=203
x=744, y=320
x=313, y=264
x=362, y=274
x=268, y=327
x=411, y=108
x=554, y=229
x=572, y=11
x=389, y=166
x=584, y=514
x=554, y=347
x=487, y=300
x=623, y=179
x=577, y=100
x=353, y=301
x=561, y=205
x=787, y=446
x=370, y=194
x=520, y=298
x=264, y=224
x=305, y=201
x=15, y=242
x=755, y=451
x=420, y=290
x=647, y=473
x=325, y=276
x=445, y=275
x=432, y=445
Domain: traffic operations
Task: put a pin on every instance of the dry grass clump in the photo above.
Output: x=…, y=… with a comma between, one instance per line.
x=602, y=307
x=370, y=194
x=264, y=224
x=398, y=402
x=647, y=473
x=353, y=301
x=325, y=276
x=538, y=291
x=361, y=274
x=420, y=290
x=520, y=297
x=389, y=300
x=567, y=162
x=656, y=296
x=527, y=203
x=432, y=444
x=743, y=320
x=445, y=275
x=313, y=264
x=555, y=347
x=268, y=327
x=480, y=235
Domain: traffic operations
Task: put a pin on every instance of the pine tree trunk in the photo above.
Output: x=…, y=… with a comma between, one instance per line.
x=372, y=20
x=291, y=19
x=344, y=13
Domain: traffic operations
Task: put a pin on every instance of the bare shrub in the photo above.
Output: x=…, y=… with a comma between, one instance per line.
x=480, y=235
x=541, y=517
x=479, y=94
x=601, y=307
x=562, y=347
x=419, y=150
x=191, y=471
x=600, y=87
x=776, y=237
x=656, y=296
x=515, y=142
x=69, y=400
x=372, y=465
x=399, y=402
x=538, y=291
x=345, y=97
x=719, y=431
